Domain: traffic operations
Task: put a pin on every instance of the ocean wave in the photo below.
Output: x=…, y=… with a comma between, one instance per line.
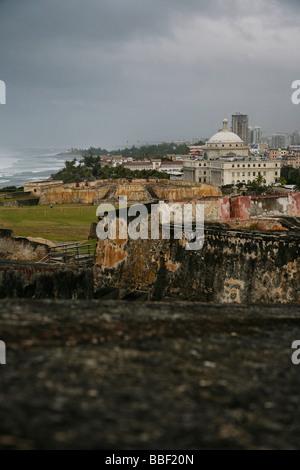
x=29, y=165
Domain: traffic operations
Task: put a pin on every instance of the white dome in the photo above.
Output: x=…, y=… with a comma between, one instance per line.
x=225, y=136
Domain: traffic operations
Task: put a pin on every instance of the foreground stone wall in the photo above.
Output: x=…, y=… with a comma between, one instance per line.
x=26, y=280
x=233, y=266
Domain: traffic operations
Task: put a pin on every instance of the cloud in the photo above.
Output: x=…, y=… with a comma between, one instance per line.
x=89, y=72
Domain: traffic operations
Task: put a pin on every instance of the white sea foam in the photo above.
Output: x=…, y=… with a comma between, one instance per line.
x=19, y=166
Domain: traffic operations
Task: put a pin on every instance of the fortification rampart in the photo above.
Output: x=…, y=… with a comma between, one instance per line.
x=233, y=266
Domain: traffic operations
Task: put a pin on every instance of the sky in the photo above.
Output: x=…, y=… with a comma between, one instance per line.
x=113, y=73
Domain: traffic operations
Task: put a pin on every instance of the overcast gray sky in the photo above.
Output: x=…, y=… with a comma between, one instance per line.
x=108, y=72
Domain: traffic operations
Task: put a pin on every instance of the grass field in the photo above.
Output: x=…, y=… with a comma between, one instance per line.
x=62, y=223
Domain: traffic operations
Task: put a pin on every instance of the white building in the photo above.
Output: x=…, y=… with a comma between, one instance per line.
x=224, y=143
x=226, y=160
x=231, y=171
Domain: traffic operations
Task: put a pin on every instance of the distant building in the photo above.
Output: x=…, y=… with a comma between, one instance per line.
x=196, y=150
x=277, y=153
x=226, y=160
x=156, y=164
x=224, y=144
x=280, y=141
x=295, y=149
x=111, y=160
x=295, y=138
x=231, y=171
x=171, y=167
x=139, y=165
x=291, y=160
x=240, y=125
x=254, y=135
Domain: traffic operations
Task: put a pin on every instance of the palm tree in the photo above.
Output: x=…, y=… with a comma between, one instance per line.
x=260, y=179
x=282, y=181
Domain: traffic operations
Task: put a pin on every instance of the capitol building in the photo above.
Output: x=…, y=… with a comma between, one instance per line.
x=226, y=161
x=225, y=144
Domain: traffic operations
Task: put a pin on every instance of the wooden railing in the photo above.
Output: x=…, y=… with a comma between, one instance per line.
x=69, y=252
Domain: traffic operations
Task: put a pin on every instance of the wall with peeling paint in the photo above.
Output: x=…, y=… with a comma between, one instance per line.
x=247, y=207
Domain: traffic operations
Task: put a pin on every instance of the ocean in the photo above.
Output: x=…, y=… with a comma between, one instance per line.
x=24, y=165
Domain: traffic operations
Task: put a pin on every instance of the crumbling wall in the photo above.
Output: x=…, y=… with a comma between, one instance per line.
x=20, y=249
x=233, y=266
x=246, y=207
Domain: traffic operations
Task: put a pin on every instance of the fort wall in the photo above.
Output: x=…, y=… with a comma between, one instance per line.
x=233, y=266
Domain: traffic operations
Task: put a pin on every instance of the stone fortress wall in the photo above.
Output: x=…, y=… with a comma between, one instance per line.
x=234, y=266
x=135, y=191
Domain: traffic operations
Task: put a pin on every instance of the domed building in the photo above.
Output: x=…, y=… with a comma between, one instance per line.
x=224, y=144
x=226, y=161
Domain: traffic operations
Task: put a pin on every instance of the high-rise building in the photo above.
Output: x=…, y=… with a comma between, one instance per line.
x=240, y=124
x=255, y=135
x=295, y=138
x=280, y=141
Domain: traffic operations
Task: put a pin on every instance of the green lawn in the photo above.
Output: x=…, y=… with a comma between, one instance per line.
x=62, y=223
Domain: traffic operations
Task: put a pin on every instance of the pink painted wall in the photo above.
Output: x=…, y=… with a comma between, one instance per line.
x=295, y=204
x=240, y=207
x=225, y=209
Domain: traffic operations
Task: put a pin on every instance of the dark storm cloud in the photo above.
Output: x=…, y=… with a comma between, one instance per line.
x=107, y=71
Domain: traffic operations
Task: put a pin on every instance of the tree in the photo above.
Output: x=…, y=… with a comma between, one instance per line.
x=291, y=175
x=74, y=172
x=260, y=179
x=92, y=163
x=282, y=181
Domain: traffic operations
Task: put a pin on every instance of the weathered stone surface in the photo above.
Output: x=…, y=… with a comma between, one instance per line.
x=28, y=280
x=21, y=249
x=135, y=191
x=117, y=375
x=247, y=207
x=233, y=266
